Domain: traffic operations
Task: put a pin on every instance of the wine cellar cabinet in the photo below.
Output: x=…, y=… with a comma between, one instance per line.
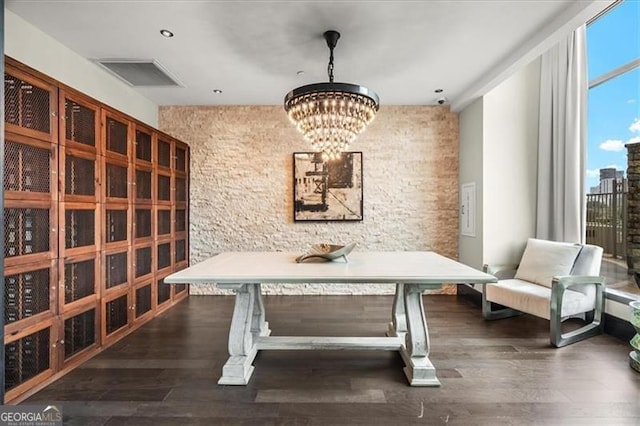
x=95, y=217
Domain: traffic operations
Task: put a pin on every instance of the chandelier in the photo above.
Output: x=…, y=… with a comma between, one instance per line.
x=331, y=115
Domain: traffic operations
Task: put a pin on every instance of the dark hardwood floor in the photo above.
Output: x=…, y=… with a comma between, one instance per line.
x=492, y=373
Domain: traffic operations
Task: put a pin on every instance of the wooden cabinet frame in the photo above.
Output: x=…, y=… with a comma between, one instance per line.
x=109, y=338
x=23, y=259
x=139, y=320
x=87, y=352
x=90, y=299
x=97, y=173
x=123, y=208
x=106, y=164
x=154, y=140
x=84, y=102
x=77, y=140
x=53, y=326
x=161, y=306
x=122, y=285
x=148, y=276
x=152, y=185
x=109, y=114
x=19, y=325
x=52, y=195
x=18, y=70
x=85, y=249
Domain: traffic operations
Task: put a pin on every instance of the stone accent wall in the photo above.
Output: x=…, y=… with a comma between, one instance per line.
x=242, y=185
x=633, y=208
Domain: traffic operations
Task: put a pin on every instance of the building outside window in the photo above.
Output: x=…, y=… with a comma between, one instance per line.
x=613, y=60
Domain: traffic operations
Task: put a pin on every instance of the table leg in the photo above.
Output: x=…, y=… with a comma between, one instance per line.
x=247, y=323
x=259, y=326
x=398, y=324
x=415, y=352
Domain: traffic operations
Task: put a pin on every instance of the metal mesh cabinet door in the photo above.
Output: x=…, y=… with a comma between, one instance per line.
x=30, y=168
x=143, y=145
x=163, y=153
x=143, y=301
x=30, y=208
x=180, y=291
x=79, y=123
x=80, y=277
x=30, y=105
x=115, y=181
x=80, y=333
x=29, y=358
x=117, y=131
x=29, y=295
x=115, y=316
x=80, y=225
x=116, y=224
x=163, y=293
x=143, y=184
x=115, y=266
x=30, y=232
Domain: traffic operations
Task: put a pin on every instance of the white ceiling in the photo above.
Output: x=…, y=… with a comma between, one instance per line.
x=252, y=51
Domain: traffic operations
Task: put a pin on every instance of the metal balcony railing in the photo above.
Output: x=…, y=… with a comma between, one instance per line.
x=607, y=221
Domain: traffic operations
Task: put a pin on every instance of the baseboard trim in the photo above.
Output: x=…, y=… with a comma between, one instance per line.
x=470, y=294
x=618, y=327
x=613, y=326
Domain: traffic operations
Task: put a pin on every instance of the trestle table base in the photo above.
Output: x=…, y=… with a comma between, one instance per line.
x=407, y=333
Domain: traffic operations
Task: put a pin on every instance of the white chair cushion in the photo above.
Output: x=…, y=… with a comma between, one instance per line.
x=542, y=260
x=535, y=299
x=588, y=261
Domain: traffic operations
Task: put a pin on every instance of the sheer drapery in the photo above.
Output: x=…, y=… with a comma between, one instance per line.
x=562, y=141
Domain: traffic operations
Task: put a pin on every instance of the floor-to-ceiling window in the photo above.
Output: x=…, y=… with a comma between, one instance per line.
x=613, y=58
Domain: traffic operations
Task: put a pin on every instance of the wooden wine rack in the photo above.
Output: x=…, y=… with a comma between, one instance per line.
x=95, y=216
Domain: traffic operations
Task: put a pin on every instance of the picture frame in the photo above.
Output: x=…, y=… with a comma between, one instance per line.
x=327, y=191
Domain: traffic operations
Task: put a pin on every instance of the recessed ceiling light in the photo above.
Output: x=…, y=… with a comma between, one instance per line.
x=301, y=72
x=166, y=33
x=217, y=91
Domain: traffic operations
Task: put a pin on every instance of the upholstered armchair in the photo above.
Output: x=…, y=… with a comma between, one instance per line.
x=553, y=281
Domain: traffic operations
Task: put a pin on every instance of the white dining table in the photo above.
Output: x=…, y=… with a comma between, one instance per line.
x=412, y=272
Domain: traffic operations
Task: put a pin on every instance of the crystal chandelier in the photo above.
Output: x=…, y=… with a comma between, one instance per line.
x=331, y=115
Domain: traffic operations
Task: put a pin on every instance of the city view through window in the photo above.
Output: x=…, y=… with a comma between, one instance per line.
x=613, y=60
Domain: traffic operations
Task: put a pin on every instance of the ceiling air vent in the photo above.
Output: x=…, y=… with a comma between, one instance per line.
x=140, y=72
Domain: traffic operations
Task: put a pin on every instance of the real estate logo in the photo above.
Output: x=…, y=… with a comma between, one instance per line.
x=30, y=415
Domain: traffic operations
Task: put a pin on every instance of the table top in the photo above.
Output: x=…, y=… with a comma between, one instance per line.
x=362, y=267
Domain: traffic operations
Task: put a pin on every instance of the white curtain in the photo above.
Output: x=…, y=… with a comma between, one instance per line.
x=562, y=141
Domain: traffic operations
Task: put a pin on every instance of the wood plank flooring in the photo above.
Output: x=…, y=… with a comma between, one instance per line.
x=493, y=373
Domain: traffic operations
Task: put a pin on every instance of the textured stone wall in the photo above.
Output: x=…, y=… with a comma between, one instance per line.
x=242, y=185
x=633, y=208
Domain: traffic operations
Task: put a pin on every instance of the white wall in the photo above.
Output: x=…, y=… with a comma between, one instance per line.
x=510, y=153
x=32, y=47
x=471, y=171
x=498, y=151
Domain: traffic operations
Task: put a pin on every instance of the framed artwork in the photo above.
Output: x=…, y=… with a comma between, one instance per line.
x=327, y=190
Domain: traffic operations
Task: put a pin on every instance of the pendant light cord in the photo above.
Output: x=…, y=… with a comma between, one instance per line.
x=330, y=66
x=331, y=37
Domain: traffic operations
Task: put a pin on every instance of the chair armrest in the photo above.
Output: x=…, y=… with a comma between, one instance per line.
x=558, y=286
x=567, y=281
x=495, y=270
